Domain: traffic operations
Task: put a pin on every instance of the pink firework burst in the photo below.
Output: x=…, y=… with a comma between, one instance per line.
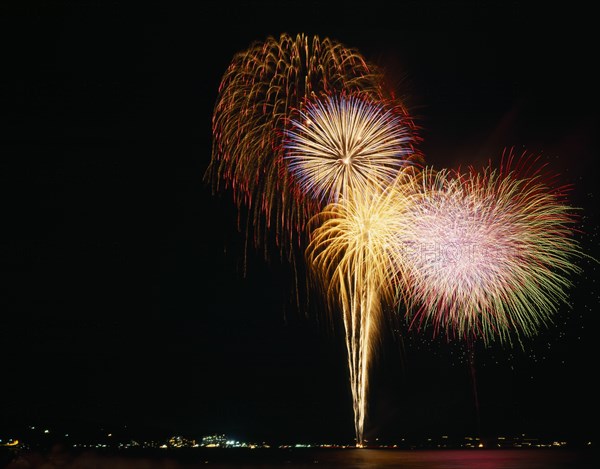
x=488, y=253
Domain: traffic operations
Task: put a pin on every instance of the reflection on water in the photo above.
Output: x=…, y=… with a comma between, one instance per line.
x=310, y=458
x=460, y=459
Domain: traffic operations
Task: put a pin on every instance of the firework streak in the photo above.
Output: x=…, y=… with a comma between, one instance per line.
x=353, y=251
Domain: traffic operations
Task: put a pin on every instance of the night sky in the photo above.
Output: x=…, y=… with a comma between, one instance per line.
x=124, y=301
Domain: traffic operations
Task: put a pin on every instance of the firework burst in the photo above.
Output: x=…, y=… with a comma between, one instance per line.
x=343, y=143
x=260, y=94
x=352, y=253
x=489, y=253
x=303, y=122
x=260, y=90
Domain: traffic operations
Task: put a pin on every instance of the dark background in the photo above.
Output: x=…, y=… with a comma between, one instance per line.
x=123, y=300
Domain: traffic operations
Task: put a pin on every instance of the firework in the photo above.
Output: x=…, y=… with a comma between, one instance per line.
x=260, y=90
x=345, y=143
x=488, y=253
x=353, y=253
x=262, y=98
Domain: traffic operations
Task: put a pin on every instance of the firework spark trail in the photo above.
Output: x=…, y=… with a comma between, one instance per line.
x=346, y=143
x=351, y=253
x=488, y=253
x=347, y=150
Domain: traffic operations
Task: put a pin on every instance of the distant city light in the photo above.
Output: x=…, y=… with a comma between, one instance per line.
x=472, y=442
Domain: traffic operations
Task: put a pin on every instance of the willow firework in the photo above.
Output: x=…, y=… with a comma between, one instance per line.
x=489, y=253
x=352, y=252
x=260, y=90
x=344, y=143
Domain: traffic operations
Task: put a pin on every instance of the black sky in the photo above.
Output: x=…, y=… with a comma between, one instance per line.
x=123, y=299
